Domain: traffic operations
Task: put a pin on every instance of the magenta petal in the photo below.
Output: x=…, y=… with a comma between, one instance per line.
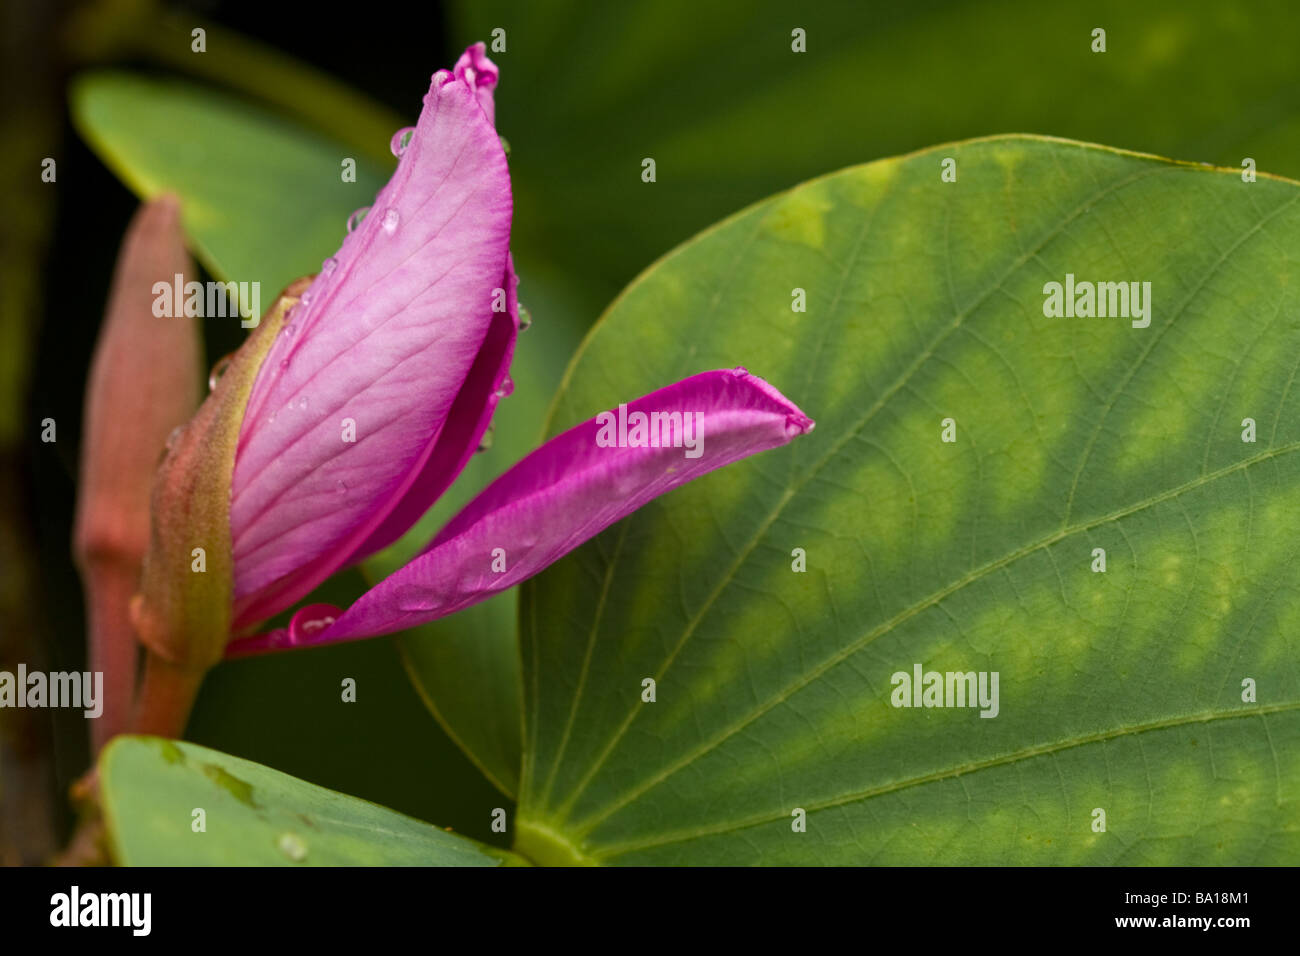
x=385, y=338
x=558, y=497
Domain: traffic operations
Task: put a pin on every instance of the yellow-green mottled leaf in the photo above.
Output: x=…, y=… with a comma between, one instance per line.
x=255, y=816
x=1120, y=691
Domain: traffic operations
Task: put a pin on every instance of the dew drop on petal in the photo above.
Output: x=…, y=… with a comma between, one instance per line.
x=218, y=370
x=401, y=139
x=342, y=486
x=310, y=621
x=329, y=265
x=355, y=219
x=292, y=846
x=175, y=436
x=284, y=364
x=391, y=219
x=506, y=388
x=525, y=319
x=306, y=299
x=288, y=331
x=302, y=402
x=798, y=425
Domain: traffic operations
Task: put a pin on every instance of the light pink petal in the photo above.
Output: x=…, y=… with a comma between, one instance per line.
x=384, y=338
x=468, y=419
x=555, y=499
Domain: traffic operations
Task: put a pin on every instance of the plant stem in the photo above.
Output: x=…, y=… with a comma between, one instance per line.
x=113, y=650
x=166, y=697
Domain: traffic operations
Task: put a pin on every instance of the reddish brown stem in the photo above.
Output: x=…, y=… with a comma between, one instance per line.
x=166, y=697
x=113, y=650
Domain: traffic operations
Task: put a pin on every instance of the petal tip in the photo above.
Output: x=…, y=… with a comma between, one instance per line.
x=475, y=68
x=798, y=424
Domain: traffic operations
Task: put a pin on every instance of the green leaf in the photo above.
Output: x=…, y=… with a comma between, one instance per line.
x=145, y=30
x=466, y=667
x=1119, y=691
x=263, y=199
x=716, y=96
x=254, y=815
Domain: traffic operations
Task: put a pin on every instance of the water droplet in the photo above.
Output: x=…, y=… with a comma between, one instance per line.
x=505, y=145
x=329, y=265
x=506, y=388
x=288, y=331
x=306, y=299
x=342, y=486
x=310, y=621
x=284, y=364
x=175, y=436
x=401, y=139
x=390, y=221
x=302, y=402
x=292, y=846
x=355, y=219
x=485, y=442
x=525, y=319
x=798, y=425
x=218, y=370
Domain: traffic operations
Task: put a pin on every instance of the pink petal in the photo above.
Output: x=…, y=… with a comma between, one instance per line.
x=561, y=495
x=386, y=338
x=475, y=69
x=469, y=418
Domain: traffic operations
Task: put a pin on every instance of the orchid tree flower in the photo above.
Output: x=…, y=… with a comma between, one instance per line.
x=359, y=399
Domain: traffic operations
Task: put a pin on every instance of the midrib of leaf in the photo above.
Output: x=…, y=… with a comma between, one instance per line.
x=588, y=823
x=848, y=436
x=1039, y=750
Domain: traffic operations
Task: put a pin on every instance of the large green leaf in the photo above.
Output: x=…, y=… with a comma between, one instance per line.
x=253, y=815
x=264, y=199
x=714, y=93
x=1120, y=691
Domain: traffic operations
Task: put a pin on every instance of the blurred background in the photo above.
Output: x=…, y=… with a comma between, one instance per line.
x=712, y=91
